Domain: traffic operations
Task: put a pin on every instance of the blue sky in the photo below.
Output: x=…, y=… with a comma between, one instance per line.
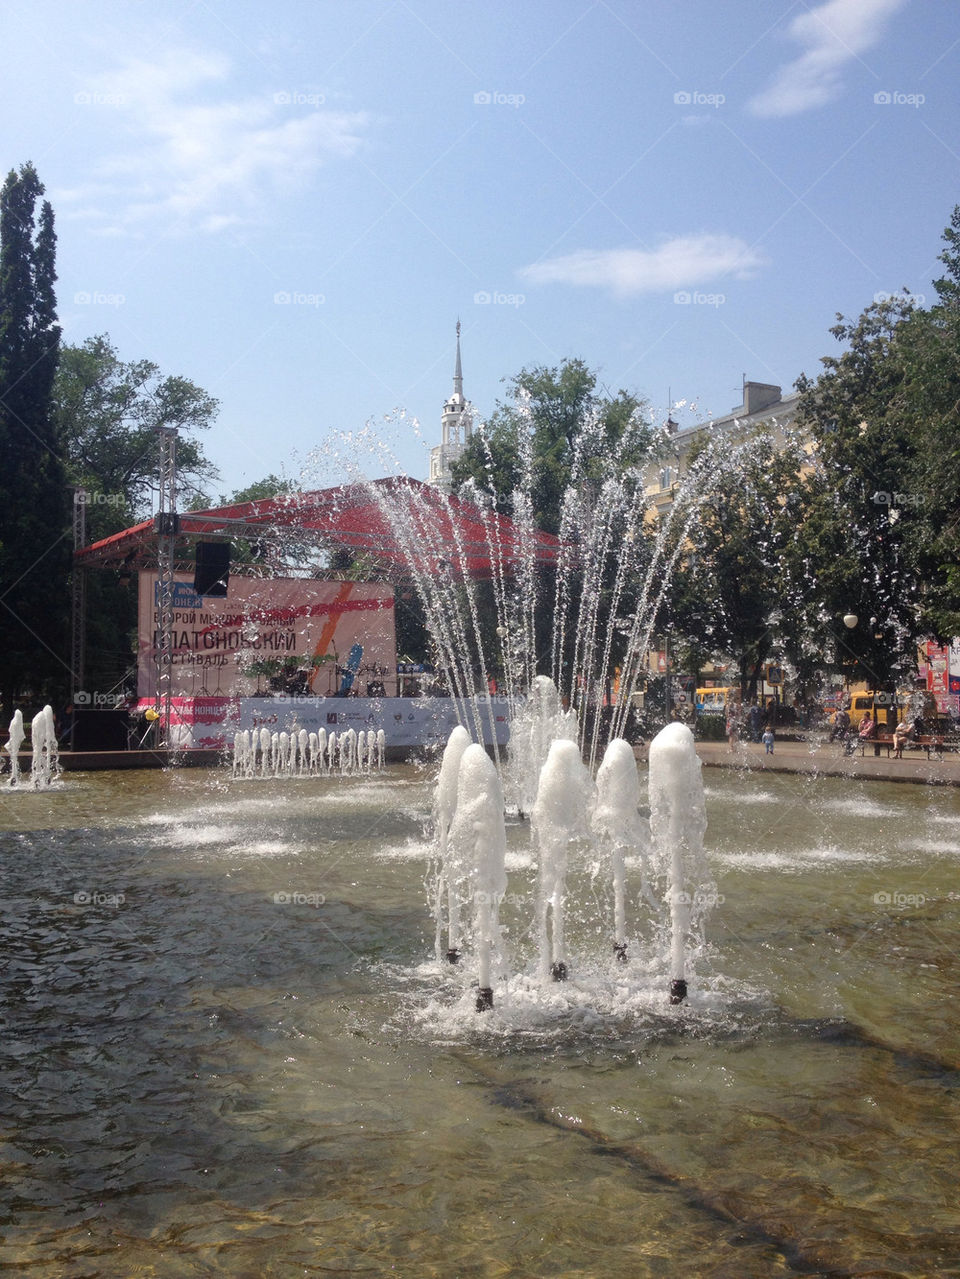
x=291, y=203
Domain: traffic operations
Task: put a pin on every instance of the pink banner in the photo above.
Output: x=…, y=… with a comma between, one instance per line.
x=937, y=668
x=270, y=636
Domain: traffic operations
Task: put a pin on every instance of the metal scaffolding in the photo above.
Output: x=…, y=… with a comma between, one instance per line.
x=166, y=525
x=78, y=604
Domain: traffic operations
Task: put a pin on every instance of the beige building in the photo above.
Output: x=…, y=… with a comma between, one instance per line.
x=764, y=409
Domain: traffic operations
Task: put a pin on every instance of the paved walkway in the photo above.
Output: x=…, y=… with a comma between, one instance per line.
x=820, y=756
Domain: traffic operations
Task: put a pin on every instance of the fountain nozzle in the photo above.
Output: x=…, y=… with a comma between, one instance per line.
x=484, y=999
x=678, y=990
x=453, y=955
x=620, y=951
x=558, y=971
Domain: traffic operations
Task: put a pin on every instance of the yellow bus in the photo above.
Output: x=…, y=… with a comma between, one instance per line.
x=716, y=701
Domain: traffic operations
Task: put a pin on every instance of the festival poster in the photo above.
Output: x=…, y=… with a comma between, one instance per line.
x=954, y=666
x=937, y=672
x=269, y=636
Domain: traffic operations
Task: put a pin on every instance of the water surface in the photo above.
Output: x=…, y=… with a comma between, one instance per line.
x=226, y=1051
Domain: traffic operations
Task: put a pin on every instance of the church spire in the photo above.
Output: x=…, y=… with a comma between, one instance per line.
x=458, y=371
x=457, y=429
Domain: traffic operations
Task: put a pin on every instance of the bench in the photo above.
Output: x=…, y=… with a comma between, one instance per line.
x=882, y=741
x=933, y=743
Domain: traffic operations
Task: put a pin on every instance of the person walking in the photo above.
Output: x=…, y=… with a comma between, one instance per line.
x=768, y=739
x=841, y=722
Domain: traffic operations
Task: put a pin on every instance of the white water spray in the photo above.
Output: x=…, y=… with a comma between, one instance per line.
x=619, y=828
x=559, y=818
x=477, y=846
x=14, y=741
x=678, y=821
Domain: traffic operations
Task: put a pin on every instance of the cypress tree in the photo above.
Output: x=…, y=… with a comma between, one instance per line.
x=34, y=509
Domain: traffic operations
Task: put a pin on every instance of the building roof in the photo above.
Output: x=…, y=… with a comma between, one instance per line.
x=747, y=415
x=404, y=523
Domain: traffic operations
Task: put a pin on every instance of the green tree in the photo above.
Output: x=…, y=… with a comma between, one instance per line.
x=929, y=404
x=567, y=457
x=34, y=514
x=733, y=592
x=107, y=411
x=885, y=526
x=558, y=429
x=862, y=489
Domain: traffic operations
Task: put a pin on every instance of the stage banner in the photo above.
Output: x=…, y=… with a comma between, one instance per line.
x=268, y=636
x=209, y=723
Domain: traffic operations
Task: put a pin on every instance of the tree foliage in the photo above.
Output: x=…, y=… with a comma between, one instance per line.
x=732, y=592
x=108, y=411
x=557, y=429
x=34, y=515
x=885, y=528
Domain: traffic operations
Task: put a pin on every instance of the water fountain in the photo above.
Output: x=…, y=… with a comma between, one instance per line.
x=14, y=741
x=474, y=871
x=298, y=753
x=678, y=821
x=603, y=592
x=601, y=823
x=560, y=817
x=620, y=831
x=446, y=897
x=45, y=762
x=564, y=692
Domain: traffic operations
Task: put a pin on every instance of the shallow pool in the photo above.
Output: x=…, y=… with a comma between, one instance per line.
x=227, y=1052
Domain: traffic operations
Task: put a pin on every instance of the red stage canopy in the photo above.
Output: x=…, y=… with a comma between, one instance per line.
x=404, y=523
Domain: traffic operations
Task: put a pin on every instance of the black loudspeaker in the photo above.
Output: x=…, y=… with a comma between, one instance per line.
x=213, y=568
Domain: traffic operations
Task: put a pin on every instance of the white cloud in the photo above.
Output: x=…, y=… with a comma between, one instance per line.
x=833, y=35
x=687, y=260
x=193, y=155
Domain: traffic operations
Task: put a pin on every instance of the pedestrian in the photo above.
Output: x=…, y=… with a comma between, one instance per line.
x=841, y=722
x=753, y=722
x=768, y=739
x=733, y=728
x=901, y=733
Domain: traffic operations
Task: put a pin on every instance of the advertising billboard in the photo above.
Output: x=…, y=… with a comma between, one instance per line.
x=271, y=636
